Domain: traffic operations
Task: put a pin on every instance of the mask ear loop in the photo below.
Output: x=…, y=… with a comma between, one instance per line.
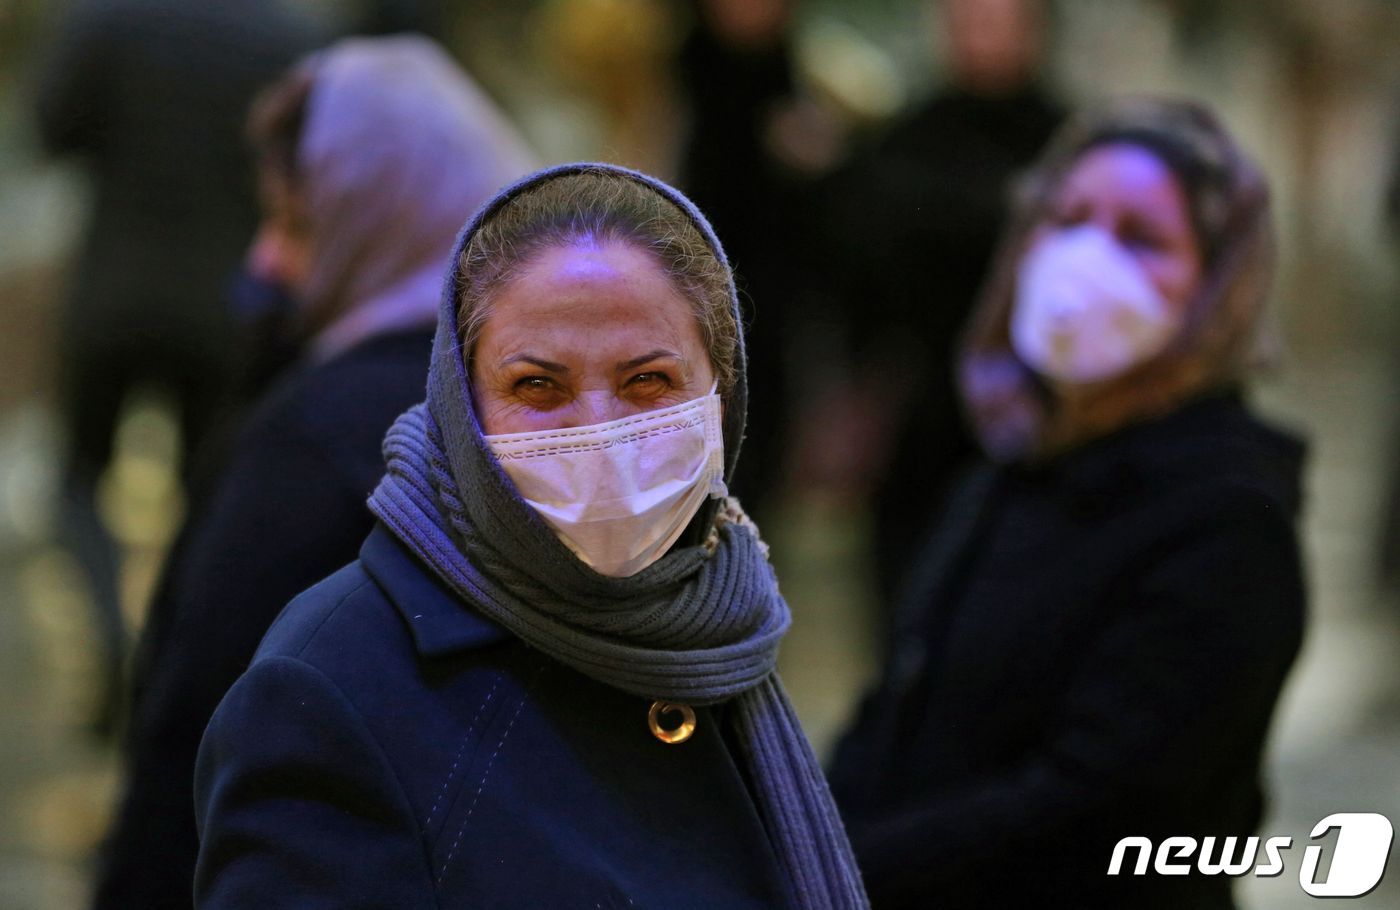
x=714, y=443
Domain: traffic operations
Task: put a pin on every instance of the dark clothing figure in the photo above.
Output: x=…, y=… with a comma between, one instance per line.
x=761, y=209
x=152, y=95
x=420, y=714
x=289, y=510
x=927, y=205
x=1088, y=649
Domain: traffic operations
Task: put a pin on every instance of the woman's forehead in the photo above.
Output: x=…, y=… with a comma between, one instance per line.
x=1125, y=172
x=593, y=295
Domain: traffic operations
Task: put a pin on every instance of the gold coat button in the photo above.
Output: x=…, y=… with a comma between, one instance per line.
x=678, y=734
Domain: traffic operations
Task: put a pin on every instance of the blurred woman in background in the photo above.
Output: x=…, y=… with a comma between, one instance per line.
x=369, y=156
x=549, y=679
x=1093, y=641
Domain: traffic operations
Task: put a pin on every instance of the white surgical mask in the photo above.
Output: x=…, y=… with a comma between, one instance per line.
x=620, y=493
x=1085, y=311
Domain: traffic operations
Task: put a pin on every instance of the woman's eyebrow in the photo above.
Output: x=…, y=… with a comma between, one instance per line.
x=1155, y=222
x=646, y=358
x=546, y=365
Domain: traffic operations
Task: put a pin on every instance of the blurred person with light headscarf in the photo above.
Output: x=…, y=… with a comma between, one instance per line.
x=1092, y=642
x=370, y=155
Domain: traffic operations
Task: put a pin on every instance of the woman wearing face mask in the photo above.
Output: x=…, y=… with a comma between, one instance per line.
x=1092, y=642
x=548, y=680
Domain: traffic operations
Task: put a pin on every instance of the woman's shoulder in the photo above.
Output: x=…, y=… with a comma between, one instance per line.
x=335, y=413
x=1209, y=457
x=383, y=610
x=345, y=603
x=1238, y=462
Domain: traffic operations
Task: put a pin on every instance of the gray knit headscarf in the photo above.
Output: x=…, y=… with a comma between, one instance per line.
x=699, y=626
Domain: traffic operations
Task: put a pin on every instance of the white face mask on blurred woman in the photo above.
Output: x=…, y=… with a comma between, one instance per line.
x=1085, y=310
x=620, y=493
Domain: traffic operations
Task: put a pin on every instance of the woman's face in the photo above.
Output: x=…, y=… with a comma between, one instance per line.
x=586, y=334
x=281, y=251
x=1129, y=192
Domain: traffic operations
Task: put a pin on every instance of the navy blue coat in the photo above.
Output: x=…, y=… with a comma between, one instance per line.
x=1090, y=649
x=389, y=747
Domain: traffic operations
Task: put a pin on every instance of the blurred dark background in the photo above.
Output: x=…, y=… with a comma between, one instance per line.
x=778, y=116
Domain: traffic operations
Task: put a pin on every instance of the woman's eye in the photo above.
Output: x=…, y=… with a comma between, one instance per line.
x=538, y=391
x=648, y=381
x=1136, y=239
x=1065, y=215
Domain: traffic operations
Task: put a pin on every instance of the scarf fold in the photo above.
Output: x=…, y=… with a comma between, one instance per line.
x=700, y=626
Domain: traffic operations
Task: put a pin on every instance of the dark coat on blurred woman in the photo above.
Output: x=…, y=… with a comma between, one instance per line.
x=1090, y=649
x=388, y=170
x=1091, y=644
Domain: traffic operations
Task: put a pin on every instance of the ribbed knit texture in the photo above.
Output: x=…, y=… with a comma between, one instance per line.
x=699, y=626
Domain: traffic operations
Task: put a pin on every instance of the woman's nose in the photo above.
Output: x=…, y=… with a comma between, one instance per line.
x=597, y=406
x=263, y=258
